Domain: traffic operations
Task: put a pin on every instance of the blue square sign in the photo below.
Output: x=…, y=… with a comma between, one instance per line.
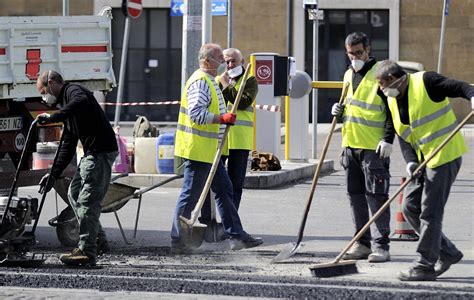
x=219, y=8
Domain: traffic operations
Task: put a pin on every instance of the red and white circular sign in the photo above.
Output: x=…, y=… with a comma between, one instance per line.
x=134, y=8
x=263, y=71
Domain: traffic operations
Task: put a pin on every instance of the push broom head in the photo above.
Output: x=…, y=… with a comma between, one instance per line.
x=332, y=269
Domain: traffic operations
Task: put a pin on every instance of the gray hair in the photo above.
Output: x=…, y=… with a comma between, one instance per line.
x=53, y=75
x=207, y=51
x=356, y=38
x=234, y=52
x=388, y=67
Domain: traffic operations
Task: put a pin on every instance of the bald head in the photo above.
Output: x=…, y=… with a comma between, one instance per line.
x=209, y=51
x=49, y=82
x=210, y=57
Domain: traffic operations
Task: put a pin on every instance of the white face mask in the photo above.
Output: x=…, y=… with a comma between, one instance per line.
x=221, y=68
x=50, y=99
x=393, y=92
x=235, y=72
x=357, y=64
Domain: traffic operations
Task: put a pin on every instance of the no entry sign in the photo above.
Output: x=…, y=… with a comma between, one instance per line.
x=134, y=8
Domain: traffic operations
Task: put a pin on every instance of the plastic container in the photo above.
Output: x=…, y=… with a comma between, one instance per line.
x=165, y=151
x=145, y=155
x=44, y=156
x=121, y=162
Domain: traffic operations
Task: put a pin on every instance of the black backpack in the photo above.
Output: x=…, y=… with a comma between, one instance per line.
x=144, y=128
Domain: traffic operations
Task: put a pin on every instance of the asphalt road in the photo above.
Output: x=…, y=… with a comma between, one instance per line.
x=147, y=269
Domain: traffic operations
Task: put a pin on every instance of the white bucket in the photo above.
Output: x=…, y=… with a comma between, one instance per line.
x=43, y=158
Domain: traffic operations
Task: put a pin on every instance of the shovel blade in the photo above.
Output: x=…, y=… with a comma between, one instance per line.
x=192, y=233
x=288, y=251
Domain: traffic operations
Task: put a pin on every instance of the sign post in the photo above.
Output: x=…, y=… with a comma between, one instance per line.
x=132, y=8
x=441, y=36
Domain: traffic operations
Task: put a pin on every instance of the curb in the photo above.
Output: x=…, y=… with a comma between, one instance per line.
x=290, y=172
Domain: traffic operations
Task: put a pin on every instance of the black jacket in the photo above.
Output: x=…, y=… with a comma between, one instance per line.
x=83, y=120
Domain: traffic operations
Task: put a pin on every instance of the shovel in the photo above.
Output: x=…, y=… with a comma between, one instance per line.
x=192, y=232
x=291, y=248
x=214, y=231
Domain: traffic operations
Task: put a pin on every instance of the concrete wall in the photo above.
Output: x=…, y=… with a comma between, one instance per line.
x=420, y=26
x=261, y=26
x=258, y=26
x=44, y=7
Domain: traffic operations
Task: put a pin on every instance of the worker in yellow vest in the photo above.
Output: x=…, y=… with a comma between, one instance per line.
x=240, y=139
x=367, y=137
x=423, y=118
x=201, y=124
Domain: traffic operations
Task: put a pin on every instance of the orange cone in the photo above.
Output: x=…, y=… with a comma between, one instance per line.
x=403, y=230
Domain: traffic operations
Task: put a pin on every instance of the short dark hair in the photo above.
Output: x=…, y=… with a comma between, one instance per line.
x=388, y=67
x=356, y=38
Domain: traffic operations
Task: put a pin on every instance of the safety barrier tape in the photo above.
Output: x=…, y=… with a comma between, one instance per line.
x=142, y=103
x=272, y=108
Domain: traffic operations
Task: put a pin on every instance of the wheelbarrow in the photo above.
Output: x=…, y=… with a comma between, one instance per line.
x=118, y=194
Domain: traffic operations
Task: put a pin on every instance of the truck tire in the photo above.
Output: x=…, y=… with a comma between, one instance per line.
x=67, y=228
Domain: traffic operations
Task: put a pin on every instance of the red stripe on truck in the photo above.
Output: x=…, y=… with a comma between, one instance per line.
x=2, y=51
x=84, y=49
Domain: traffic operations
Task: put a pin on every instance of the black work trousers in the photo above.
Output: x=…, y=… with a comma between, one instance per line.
x=368, y=182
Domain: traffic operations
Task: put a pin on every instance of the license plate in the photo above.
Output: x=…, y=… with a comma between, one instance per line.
x=10, y=124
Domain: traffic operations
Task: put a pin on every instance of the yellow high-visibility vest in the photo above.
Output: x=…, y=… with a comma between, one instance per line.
x=193, y=141
x=430, y=123
x=241, y=134
x=365, y=113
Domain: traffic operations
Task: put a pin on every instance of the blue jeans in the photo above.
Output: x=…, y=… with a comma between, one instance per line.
x=195, y=176
x=237, y=169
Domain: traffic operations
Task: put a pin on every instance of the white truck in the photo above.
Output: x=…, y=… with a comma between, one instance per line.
x=79, y=47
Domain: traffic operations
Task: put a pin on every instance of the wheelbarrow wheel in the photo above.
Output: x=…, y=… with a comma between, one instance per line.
x=67, y=228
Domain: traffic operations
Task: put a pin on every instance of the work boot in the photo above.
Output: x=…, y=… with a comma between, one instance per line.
x=244, y=242
x=77, y=258
x=418, y=274
x=442, y=265
x=357, y=251
x=379, y=255
x=102, y=246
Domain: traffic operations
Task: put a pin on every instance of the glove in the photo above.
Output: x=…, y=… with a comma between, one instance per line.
x=44, y=118
x=46, y=186
x=337, y=109
x=384, y=149
x=411, y=167
x=227, y=118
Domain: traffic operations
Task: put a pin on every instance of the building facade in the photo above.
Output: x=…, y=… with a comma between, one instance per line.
x=406, y=30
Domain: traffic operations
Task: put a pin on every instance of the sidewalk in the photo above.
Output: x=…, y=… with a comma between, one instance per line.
x=290, y=172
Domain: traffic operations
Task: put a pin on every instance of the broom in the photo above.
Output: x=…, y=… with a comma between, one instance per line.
x=338, y=267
